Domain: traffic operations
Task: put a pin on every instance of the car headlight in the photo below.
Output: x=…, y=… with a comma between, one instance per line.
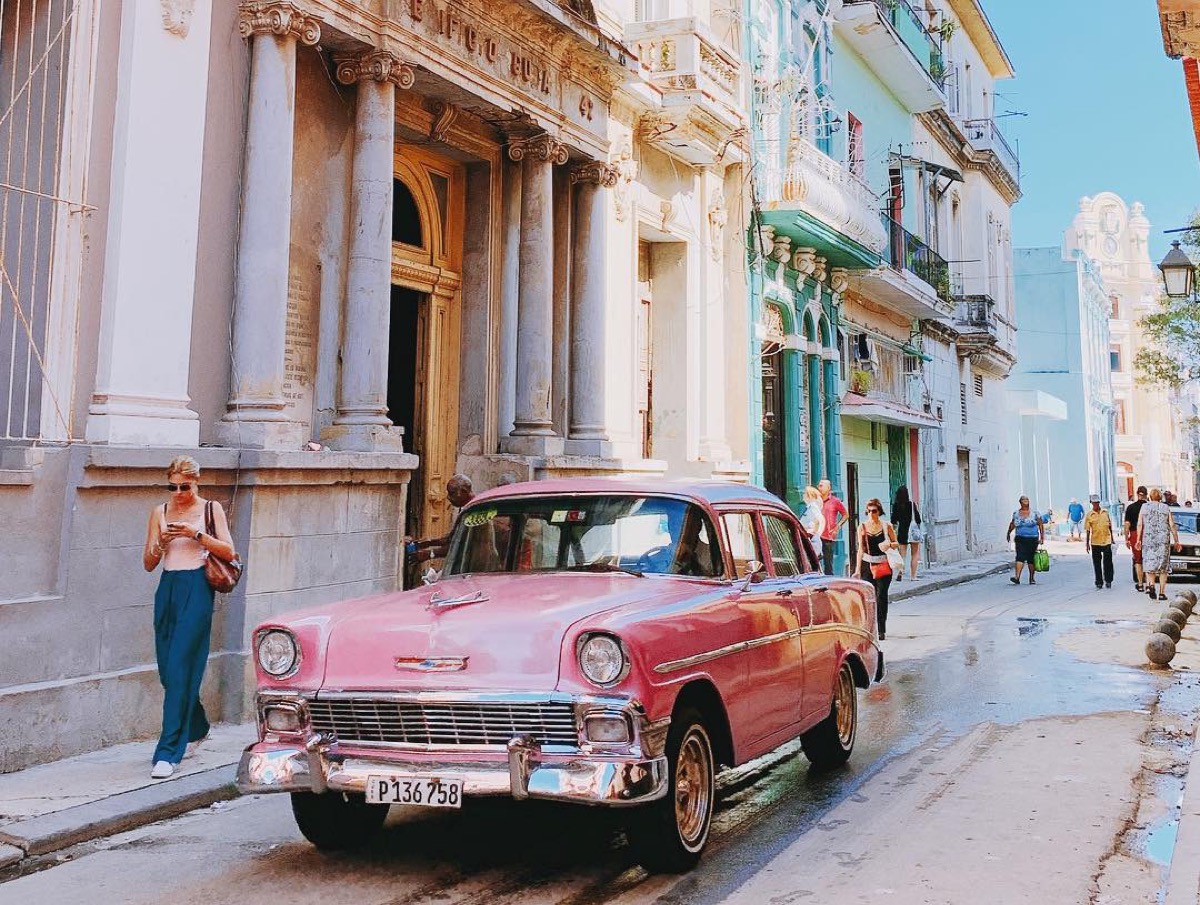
x=278, y=653
x=602, y=659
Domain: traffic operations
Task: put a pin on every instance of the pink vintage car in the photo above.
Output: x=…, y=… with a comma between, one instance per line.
x=590, y=641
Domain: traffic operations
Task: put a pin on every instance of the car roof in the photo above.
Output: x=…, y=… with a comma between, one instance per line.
x=712, y=492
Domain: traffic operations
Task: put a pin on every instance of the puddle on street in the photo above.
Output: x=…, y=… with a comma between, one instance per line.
x=1030, y=625
x=1157, y=841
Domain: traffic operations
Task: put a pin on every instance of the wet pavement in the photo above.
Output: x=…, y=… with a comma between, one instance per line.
x=987, y=652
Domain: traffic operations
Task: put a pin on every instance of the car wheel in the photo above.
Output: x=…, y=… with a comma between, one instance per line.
x=668, y=835
x=337, y=821
x=829, y=743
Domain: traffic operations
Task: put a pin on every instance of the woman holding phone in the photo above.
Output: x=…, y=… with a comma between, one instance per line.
x=179, y=539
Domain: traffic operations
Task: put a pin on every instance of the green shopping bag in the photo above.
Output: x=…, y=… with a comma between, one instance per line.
x=1041, y=560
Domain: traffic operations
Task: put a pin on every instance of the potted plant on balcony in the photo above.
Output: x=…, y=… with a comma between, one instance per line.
x=860, y=381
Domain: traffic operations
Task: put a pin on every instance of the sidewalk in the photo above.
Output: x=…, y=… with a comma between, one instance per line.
x=46, y=808
x=51, y=806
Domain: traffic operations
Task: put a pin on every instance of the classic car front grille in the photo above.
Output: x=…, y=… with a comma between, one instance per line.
x=414, y=723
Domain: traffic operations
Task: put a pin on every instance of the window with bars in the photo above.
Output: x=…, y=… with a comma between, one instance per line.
x=45, y=69
x=962, y=402
x=979, y=385
x=856, y=152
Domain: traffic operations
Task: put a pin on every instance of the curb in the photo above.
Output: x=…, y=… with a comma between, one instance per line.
x=1183, y=877
x=949, y=582
x=117, y=813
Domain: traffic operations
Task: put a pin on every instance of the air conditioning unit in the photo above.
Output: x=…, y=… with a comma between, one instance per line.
x=914, y=391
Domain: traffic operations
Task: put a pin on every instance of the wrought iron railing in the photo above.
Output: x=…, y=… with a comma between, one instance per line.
x=977, y=312
x=904, y=251
x=985, y=135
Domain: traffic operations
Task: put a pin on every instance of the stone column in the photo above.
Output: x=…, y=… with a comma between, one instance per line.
x=362, y=422
x=533, y=433
x=589, y=295
x=833, y=442
x=257, y=413
x=144, y=349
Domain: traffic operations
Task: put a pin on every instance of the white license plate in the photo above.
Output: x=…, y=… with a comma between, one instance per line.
x=425, y=791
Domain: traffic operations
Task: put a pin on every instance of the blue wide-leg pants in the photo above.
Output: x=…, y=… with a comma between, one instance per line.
x=183, y=608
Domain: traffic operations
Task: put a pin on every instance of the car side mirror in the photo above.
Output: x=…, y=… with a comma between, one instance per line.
x=755, y=572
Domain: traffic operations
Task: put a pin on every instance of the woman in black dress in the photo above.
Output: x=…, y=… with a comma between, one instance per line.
x=905, y=515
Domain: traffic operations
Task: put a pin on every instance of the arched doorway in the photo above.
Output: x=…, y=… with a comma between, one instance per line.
x=423, y=343
x=774, y=406
x=1125, y=479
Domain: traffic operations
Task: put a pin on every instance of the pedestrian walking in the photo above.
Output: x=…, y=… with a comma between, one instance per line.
x=1157, y=534
x=1098, y=535
x=180, y=538
x=836, y=517
x=1130, y=521
x=1075, y=520
x=813, y=519
x=910, y=531
x=1030, y=533
x=875, y=538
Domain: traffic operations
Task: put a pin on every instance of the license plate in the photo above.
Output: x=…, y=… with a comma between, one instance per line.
x=425, y=791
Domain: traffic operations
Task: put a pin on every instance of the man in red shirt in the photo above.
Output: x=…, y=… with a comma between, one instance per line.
x=836, y=517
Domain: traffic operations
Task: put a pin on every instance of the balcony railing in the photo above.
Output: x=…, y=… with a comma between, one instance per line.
x=925, y=46
x=984, y=135
x=904, y=251
x=976, y=313
x=829, y=191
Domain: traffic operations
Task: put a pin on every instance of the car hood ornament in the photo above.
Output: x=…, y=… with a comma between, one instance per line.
x=437, y=603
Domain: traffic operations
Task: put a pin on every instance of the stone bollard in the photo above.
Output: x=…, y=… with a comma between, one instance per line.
x=1190, y=595
x=1183, y=603
x=1169, y=628
x=1179, y=616
x=1160, y=649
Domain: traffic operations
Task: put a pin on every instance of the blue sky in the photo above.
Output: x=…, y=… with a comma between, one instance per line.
x=1106, y=110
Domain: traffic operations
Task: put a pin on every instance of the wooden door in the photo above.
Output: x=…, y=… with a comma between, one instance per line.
x=774, y=462
x=430, y=193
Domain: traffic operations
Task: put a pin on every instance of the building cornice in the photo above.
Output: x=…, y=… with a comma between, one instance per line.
x=975, y=23
x=946, y=132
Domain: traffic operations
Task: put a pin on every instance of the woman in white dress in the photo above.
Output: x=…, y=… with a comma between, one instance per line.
x=813, y=518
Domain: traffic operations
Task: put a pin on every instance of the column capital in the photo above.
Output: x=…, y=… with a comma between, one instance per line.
x=278, y=17
x=543, y=147
x=596, y=172
x=378, y=66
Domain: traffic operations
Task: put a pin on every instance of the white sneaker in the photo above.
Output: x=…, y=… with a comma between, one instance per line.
x=192, y=747
x=162, y=769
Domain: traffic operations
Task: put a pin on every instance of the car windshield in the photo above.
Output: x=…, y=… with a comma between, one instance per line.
x=585, y=533
x=1186, y=521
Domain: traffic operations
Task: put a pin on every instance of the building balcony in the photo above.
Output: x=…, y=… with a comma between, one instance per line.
x=985, y=137
x=915, y=280
x=981, y=335
x=889, y=36
x=700, y=82
x=888, y=388
x=819, y=203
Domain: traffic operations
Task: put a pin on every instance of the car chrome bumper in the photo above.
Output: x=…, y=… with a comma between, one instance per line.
x=527, y=772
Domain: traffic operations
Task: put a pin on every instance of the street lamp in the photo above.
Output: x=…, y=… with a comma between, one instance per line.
x=1179, y=273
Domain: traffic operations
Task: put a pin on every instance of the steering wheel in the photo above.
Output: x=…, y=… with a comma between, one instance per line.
x=646, y=563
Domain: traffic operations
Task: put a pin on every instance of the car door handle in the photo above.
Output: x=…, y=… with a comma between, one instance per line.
x=786, y=592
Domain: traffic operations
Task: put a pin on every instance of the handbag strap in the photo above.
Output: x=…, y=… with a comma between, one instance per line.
x=210, y=527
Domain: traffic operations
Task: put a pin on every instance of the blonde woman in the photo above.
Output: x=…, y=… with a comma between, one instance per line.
x=813, y=518
x=178, y=538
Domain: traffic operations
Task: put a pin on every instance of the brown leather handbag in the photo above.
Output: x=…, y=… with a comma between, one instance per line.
x=222, y=575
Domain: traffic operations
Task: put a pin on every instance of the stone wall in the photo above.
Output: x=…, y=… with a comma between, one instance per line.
x=79, y=671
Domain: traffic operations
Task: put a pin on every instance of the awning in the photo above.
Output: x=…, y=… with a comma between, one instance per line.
x=855, y=405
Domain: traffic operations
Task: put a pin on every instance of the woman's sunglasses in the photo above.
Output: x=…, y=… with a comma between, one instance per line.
x=179, y=488
x=873, y=511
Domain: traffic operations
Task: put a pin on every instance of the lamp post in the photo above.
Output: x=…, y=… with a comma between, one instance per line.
x=1178, y=272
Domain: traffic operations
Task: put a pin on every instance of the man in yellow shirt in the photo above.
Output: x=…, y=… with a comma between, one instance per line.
x=1098, y=532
